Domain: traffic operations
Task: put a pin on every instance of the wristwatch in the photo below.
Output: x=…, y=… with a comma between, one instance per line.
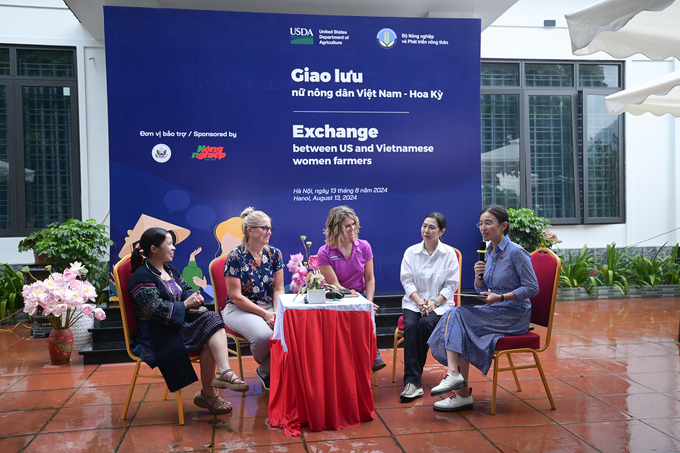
x=437, y=303
x=502, y=297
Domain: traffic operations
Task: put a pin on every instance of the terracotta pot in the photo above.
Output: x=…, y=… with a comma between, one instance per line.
x=39, y=259
x=60, y=346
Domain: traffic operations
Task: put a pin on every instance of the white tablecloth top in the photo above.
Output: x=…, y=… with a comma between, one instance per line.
x=296, y=302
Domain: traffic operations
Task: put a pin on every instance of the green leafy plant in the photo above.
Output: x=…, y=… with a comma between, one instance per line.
x=86, y=242
x=646, y=272
x=670, y=273
x=530, y=231
x=11, y=285
x=579, y=271
x=615, y=268
x=28, y=244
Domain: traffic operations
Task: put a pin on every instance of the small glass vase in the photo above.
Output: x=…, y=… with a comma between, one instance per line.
x=316, y=296
x=60, y=345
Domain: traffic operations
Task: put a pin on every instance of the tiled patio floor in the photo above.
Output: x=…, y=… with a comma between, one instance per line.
x=613, y=368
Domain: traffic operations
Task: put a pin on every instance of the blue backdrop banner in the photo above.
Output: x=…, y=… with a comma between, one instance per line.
x=213, y=111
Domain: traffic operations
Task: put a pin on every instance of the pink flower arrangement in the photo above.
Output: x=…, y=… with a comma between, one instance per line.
x=62, y=297
x=306, y=275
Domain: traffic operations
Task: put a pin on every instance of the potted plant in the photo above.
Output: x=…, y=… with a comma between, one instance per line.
x=63, y=298
x=306, y=275
x=84, y=241
x=529, y=230
x=11, y=284
x=32, y=239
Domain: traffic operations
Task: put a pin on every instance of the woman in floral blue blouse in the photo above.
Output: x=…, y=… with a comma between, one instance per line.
x=254, y=276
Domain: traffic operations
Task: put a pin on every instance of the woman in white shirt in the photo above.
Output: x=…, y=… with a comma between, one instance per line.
x=429, y=274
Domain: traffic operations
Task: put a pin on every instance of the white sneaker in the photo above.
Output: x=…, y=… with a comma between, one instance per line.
x=454, y=403
x=449, y=383
x=411, y=392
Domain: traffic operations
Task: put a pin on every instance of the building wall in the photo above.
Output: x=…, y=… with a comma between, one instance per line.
x=652, y=167
x=51, y=23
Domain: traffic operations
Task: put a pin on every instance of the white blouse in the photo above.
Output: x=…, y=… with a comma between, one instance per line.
x=429, y=276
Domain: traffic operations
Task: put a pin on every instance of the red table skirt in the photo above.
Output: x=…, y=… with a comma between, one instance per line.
x=324, y=379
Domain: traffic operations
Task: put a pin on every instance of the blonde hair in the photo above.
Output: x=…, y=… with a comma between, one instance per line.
x=334, y=229
x=251, y=218
x=231, y=226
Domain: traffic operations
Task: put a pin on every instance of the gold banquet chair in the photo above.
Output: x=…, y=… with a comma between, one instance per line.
x=399, y=331
x=122, y=273
x=219, y=286
x=547, y=267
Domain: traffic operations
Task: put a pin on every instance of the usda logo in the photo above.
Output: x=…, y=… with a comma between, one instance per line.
x=299, y=35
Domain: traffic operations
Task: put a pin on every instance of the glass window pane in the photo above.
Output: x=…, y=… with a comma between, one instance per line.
x=549, y=75
x=598, y=75
x=500, y=74
x=551, y=152
x=4, y=62
x=603, y=160
x=48, y=156
x=500, y=150
x=45, y=63
x=4, y=162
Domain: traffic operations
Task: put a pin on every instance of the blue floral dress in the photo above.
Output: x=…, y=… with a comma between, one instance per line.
x=257, y=283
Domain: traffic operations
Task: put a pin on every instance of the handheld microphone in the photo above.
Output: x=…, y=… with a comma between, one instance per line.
x=481, y=249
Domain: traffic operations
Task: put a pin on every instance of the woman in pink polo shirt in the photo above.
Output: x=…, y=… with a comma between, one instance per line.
x=347, y=261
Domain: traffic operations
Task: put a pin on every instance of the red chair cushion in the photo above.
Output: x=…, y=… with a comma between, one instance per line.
x=528, y=340
x=401, y=325
x=232, y=332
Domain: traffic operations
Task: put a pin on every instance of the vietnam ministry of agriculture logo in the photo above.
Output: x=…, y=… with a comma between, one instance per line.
x=300, y=35
x=387, y=38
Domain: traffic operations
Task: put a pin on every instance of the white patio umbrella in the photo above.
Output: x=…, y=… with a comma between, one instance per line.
x=623, y=28
x=658, y=96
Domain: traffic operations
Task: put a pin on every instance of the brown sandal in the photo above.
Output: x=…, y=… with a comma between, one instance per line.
x=232, y=383
x=215, y=403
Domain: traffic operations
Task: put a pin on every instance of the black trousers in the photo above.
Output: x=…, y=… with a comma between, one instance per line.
x=416, y=333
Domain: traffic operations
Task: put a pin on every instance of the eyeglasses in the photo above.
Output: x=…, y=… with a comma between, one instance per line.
x=480, y=224
x=264, y=228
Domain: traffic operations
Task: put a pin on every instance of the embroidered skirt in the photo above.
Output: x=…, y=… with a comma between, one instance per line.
x=194, y=334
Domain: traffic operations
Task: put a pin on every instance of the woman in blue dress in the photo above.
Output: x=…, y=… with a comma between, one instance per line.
x=468, y=335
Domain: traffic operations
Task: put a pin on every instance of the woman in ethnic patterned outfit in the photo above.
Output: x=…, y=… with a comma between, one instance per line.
x=164, y=338
x=254, y=276
x=468, y=335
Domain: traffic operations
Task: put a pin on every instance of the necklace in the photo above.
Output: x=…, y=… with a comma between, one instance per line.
x=155, y=271
x=170, y=286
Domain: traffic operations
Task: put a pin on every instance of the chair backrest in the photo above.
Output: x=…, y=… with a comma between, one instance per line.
x=219, y=284
x=122, y=273
x=547, y=267
x=456, y=297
